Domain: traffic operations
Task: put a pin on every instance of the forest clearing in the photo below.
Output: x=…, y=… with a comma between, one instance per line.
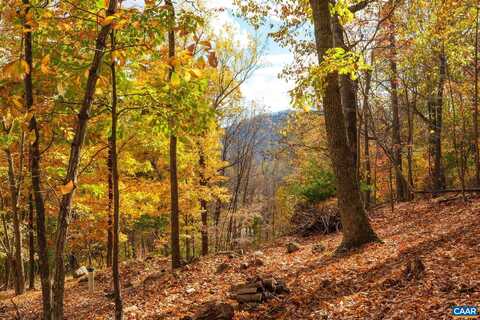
x=239, y=159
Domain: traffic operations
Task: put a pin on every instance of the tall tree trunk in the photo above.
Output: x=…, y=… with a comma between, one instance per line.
x=203, y=202
x=475, y=105
x=368, y=171
x=438, y=174
x=116, y=193
x=35, y=156
x=31, y=245
x=411, y=106
x=9, y=261
x=356, y=227
x=174, y=214
x=17, y=235
x=348, y=92
x=72, y=171
x=402, y=191
x=110, y=204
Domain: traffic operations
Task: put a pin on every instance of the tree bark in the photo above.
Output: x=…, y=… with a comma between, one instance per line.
x=203, y=202
x=174, y=214
x=116, y=193
x=368, y=170
x=436, y=119
x=72, y=171
x=110, y=205
x=356, y=227
x=402, y=191
x=410, y=107
x=31, y=245
x=348, y=92
x=17, y=236
x=34, y=154
x=475, y=104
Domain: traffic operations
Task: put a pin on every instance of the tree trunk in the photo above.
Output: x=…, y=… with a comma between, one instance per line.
x=203, y=202
x=410, y=139
x=34, y=152
x=368, y=170
x=17, y=236
x=475, y=105
x=436, y=109
x=116, y=193
x=31, y=245
x=402, y=192
x=348, y=92
x=356, y=227
x=110, y=204
x=9, y=261
x=174, y=214
x=72, y=171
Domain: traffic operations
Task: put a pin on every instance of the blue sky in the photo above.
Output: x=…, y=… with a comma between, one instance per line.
x=264, y=86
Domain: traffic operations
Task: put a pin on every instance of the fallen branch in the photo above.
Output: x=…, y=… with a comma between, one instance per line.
x=448, y=191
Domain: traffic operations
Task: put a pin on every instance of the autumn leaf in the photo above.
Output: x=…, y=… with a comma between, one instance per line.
x=212, y=59
x=175, y=81
x=44, y=64
x=196, y=73
x=108, y=20
x=206, y=43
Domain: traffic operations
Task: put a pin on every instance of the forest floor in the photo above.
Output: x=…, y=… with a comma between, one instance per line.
x=366, y=284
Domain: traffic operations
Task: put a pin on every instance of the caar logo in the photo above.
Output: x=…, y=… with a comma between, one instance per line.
x=465, y=311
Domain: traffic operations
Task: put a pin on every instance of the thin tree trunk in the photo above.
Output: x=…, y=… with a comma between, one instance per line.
x=475, y=105
x=17, y=236
x=410, y=138
x=368, y=171
x=401, y=188
x=116, y=192
x=31, y=245
x=9, y=261
x=438, y=174
x=356, y=227
x=203, y=202
x=174, y=214
x=110, y=204
x=35, y=156
x=72, y=171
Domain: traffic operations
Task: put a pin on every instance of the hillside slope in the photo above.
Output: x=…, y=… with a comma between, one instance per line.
x=367, y=284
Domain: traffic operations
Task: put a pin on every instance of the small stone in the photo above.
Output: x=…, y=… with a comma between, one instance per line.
x=258, y=253
x=190, y=290
x=292, y=247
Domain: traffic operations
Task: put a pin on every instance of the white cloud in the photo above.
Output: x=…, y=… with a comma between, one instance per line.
x=218, y=4
x=265, y=87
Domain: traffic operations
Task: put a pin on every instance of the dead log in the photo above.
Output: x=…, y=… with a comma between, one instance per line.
x=247, y=298
x=270, y=284
x=309, y=220
x=213, y=311
x=247, y=290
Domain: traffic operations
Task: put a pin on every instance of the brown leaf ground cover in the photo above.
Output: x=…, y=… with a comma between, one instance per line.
x=366, y=284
